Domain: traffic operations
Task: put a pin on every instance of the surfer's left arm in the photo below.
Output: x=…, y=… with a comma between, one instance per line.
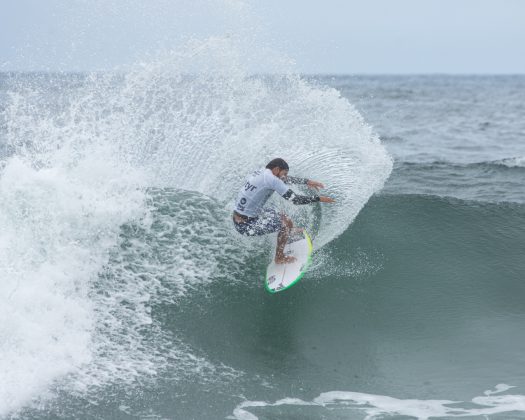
x=303, y=181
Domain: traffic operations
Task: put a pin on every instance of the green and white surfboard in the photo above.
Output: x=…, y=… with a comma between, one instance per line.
x=280, y=277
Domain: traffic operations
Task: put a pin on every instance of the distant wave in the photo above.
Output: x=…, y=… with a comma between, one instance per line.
x=494, y=181
x=513, y=162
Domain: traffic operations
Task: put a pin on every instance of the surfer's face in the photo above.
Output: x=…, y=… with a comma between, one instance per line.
x=283, y=173
x=280, y=173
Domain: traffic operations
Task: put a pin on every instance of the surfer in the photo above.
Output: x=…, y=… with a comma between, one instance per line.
x=252, y=219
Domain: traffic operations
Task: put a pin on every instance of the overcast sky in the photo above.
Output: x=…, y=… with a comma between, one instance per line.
x=329, y=36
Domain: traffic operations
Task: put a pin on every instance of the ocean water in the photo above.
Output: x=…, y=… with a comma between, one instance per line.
x=125, y=292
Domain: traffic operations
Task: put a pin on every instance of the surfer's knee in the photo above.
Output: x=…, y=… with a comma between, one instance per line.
x=286, y=222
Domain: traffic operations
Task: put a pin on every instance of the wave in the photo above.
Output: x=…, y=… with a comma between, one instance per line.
x=414, y=279
x=84, y=157
x=408, y=267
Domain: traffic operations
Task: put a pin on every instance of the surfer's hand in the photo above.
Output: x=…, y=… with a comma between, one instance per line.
x=324, y=199
x=314, y=184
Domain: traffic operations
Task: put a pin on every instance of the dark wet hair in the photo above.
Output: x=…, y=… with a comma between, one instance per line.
x=277, y=163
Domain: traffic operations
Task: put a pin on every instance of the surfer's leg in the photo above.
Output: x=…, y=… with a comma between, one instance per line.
x=282, y=239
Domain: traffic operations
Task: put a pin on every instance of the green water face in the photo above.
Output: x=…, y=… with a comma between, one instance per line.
x=421, y=298
x=434, y=311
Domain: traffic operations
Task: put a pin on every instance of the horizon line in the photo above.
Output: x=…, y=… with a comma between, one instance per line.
x=307, y=74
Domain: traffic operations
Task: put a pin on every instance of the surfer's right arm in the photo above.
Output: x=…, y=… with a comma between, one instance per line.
x=305, y=199
x=304, y=181
x=300, y=199
x=278, y=185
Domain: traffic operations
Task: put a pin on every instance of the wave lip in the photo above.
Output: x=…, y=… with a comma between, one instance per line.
x=207, y=123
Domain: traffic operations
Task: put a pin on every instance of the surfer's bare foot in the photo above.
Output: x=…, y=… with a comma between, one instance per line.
x=284, y=260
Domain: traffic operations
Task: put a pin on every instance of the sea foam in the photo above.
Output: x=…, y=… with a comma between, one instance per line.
x=372, y=406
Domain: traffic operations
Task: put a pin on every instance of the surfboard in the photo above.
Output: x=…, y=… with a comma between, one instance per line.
x=280, y=277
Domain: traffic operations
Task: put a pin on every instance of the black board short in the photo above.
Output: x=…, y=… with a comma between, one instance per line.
x=268, y=221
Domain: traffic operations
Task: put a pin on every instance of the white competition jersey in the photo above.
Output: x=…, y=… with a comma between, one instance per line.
x=258, y=188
